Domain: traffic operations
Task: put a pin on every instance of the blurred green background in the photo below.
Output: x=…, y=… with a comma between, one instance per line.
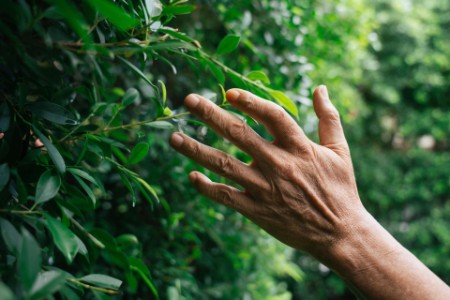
x=104, y=81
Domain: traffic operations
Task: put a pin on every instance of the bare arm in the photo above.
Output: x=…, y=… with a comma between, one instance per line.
x=305, y=195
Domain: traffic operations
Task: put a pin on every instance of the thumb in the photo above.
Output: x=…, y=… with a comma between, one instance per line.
x=331, y=134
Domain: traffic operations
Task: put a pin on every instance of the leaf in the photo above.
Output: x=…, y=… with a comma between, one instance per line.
x=46, y=284
x=47, y=186
x=177, y=10
x=177, y=34
x=5, y=117
x=83, y=175
x=164, y=92
x=130, y=97
x=138, y=153
x=87, y=189
x=115, y=14
x=284, y=101
x=55, y=156
x=258, y=76
x=52, y=112
x=137, y=71
x=216, y=70
x=6, y=292
x=11, y=236
x=228, y=44
x=4, y=175
x=104, y=281
x=138, y=266
x=29, y=260
x=160, y=124
x=147, y=187
x=64, y=238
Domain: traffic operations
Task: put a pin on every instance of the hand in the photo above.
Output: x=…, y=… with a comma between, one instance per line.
x=302, y=193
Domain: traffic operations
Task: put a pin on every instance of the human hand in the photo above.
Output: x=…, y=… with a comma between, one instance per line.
x=302, y=193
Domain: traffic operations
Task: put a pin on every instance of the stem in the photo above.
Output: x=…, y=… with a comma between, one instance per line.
x=90, y=236
x=94, y=288
x=21, y=212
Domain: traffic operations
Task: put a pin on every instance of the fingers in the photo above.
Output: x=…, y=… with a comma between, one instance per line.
x=229, y=126
x=276, y=120
x=331, y=133
x=223, y=194
x=217, y=161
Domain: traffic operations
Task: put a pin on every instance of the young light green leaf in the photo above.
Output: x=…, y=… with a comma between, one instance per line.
x=164, y=92
x=284, y=101
x=6, y=292
x=4, y=175
x=113, y=13
x=147, y=187
x=138, y=153
x=167, y=111
x=47, y=186
x=258, y=76
x=52, y=112
x=130, y=96
x=54, y=154
x=83, y=175
x=11, y=236
x=64, y=238
x=101, y=280
x=160, y=124
x=46, y=284
x=29, y=260
x=228, y=44
x=86, y=188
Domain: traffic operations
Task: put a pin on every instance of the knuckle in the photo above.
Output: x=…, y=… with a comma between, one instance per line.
x=278, y=113
x=225, y=165
x=193, y=148
x=332, y=115
x=237, y=129
x=208, y=112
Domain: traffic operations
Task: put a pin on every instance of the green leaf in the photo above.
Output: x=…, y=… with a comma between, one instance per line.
x=164, y=92
x=177, y=10
x=53, y=113
x=64, y=238
x=83, y=175
x=137, y=71
x=6, y=292
x=104, y=281
x=139, y=267
x=29, y=260
x=87, y=189
x=216, y=70
x=284, y=101
x=228, y=44
x=258, y=76
x=11, y=236
x=4, y=175
x=47, y=186
x=138, y=153
x=160, y=124
x=5, y=117
x=114, y=14
x=147, y=187
x=130, y=96
x=46, y=284
x=177, y=34
x=54, y=154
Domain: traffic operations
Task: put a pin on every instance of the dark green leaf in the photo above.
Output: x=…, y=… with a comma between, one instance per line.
x=114, y=14
x=104, y=281
x=6, y=292
x=46, y=284
x=130, y=96
x=64, y=238
x=177, y=10
x=53, y=113
x=216, y=70
x=4, y=175
x=258, y=76
x=82, y=174
x=138, y=153
x=87, y=189
x=47, y=186
x=11, y=236
x=5, y=117
x=284, y=101
x=228, y=44
x=29, y=260
x=52, y=151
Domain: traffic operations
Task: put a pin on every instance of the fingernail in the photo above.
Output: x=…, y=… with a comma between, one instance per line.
x=191, y=101
x=176, y=140
x=324, y=91
x=233, y=95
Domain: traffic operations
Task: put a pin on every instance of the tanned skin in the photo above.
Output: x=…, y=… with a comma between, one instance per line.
x=305, y=194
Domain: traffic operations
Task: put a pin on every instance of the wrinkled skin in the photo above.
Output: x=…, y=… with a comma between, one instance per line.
x=305, y=195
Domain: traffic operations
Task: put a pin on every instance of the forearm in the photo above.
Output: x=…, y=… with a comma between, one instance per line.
x=379, y=267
